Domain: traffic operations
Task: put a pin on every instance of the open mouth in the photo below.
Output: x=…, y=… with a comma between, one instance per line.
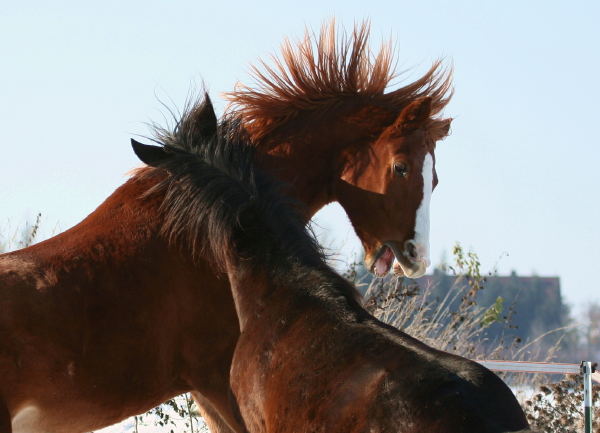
x=383, y=262
x=405, y=264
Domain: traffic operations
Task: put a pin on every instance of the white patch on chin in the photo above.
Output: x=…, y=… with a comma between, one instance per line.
x=422, y=220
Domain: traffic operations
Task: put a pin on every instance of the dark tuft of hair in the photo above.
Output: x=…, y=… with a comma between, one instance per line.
x=218, y=203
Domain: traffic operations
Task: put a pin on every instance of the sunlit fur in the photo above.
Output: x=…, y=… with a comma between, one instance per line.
x=325, y=70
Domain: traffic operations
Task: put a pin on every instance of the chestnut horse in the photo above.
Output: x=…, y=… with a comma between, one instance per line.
x=323, y=109
x=110, y=318
x=309, y=358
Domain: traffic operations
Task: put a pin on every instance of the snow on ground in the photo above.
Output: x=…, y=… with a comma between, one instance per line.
x=151, y=426
x=150, y=423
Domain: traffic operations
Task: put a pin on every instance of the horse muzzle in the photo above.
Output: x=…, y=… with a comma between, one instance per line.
x=412, y=258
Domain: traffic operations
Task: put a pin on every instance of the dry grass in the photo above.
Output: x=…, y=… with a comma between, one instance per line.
x=20, y=237
x=457, y=323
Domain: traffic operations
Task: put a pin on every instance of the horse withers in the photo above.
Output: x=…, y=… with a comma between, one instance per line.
x=309, y=357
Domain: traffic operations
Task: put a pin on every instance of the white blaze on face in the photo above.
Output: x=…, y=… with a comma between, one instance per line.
x=422, y=220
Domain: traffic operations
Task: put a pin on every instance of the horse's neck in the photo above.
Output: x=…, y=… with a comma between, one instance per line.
x=309, y=154
x=306, y=181
x=260, y=294
x=122, y=231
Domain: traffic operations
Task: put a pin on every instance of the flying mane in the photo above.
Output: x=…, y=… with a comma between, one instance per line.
x=328, y=69
x=217, y=202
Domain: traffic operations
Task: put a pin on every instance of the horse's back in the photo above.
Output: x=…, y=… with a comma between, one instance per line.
x=351, y=373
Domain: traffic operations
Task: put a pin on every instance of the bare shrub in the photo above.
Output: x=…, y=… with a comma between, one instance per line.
x=177, y=414
x=558, y=408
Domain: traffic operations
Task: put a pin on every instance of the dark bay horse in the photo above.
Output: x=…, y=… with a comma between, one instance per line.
x=309, y=357
x=112, y=317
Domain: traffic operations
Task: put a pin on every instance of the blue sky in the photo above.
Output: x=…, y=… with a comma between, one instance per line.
x=518, y=176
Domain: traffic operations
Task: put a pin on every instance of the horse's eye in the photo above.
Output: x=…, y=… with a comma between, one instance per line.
x=400, y=169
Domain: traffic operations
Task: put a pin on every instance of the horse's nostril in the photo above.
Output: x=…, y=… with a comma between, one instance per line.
x=410, y=250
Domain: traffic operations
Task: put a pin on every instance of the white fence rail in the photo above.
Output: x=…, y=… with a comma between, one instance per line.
x=585, y=368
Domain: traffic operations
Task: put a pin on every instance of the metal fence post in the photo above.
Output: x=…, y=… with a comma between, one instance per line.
x=586, y=370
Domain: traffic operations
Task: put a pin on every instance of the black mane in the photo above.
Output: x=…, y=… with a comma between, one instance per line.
x=217, y=202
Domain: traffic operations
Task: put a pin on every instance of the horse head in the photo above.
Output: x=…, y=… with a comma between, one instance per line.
x=393, y=176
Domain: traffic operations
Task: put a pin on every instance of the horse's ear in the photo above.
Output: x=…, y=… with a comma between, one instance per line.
x=441, y=128
x=207, y=119
x=150, y=155
x=414, y=115
x=445, y=130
